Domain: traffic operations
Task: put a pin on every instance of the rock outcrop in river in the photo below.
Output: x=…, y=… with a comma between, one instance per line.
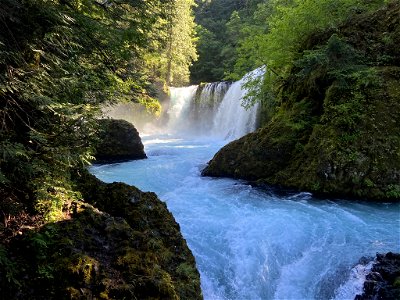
x=118, y=141
x=336, y=130
x=383, y=282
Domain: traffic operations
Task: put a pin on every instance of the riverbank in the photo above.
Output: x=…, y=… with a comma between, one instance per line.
x=335, y=130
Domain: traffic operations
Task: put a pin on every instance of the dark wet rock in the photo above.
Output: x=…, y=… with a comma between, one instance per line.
x=118, y=141
x=383, y=282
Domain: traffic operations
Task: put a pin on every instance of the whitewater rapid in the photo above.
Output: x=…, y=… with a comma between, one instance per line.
x=260, y=244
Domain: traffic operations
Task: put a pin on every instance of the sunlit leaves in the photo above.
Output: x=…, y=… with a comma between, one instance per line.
x=180, y=42
x=279, y=30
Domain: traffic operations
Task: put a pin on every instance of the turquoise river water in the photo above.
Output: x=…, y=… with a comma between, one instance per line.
x=252, y=243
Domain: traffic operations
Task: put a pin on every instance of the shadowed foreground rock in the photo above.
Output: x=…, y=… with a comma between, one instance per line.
x=121, y=244
x=119, y=141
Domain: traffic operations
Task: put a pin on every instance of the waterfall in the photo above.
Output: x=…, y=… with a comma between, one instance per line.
x=205, y=104
x=232, y=119
x=213, y=109
x=192, y=109
x=179, y=108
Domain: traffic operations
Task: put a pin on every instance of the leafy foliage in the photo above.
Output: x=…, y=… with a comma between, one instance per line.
x=59, y=61
x=173, y=44
x=180, y=43
x=280, y=29
x=8, y=268
x=237, y=37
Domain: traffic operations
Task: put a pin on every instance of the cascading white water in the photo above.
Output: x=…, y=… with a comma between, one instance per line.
x=192, y=109
x=180, y=103
x=232, y=119
x=205, y=105
x=213, y=110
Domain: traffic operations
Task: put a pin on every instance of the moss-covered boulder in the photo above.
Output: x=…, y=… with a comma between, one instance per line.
x=118, y=141
x=125, y=244
x=336, y=130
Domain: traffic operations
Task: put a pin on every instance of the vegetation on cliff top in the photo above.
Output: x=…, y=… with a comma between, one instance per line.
x=335, y=128
x=59, y=60
x=238, y=36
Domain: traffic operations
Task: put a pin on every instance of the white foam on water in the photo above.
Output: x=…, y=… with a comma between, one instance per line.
x=354, y=283
x=252, y=244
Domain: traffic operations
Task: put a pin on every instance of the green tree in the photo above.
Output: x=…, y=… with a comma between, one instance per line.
x=220, y=30
x=281, y=28
x=211, y=17
x=180, y=48
x=172, y=44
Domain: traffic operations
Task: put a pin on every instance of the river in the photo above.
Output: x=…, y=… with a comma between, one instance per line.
x=252, y=243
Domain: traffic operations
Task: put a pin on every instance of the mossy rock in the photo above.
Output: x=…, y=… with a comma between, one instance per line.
x=118, y=141
x=125, y=244
x=336, y=130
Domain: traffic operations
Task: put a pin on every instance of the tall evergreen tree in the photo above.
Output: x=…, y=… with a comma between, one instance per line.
x=219, y=30
x=181, y=43
x=173, y=46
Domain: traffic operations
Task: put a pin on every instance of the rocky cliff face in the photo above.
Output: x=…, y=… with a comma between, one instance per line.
x=336, y=129
x=118, y=141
